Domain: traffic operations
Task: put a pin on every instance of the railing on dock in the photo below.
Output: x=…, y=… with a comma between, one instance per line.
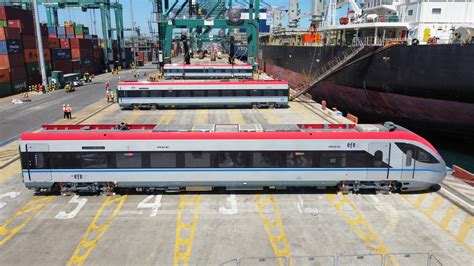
x=331, y=66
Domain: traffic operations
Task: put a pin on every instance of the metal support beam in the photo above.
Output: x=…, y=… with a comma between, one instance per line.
x=119, y=32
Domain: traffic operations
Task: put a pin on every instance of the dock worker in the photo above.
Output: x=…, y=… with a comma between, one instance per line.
x=64, y=111
x=106, y=85
x=69, y=111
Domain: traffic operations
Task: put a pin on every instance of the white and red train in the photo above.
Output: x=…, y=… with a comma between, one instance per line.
x=207, y=93
x=100, y=157
x=208, y=71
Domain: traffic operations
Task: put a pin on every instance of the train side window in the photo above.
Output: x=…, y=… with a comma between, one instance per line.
x=424, y=156
x=169, y=93
x=197, y=159
x=155, y=93
x=128, y=159
x=227, y=93
x=134, y=94
x=184, y=93
x=38, y=160
x=65, y=160
x=199, y=93
x=122, y=94
x=232, y=159
x=163, y=160
x=213, y=93
x=299, y=159
x=281, y=92
x=267, y=159
x=255, y=93
x=409, y=157
x=241, y=93
x=94, y=160
x=357, y=159
x=408, y=150
x=333, y=159
x=378, y=159
x=269, y=93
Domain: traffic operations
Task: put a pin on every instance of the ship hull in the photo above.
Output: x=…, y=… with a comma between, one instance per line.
x=428, y=89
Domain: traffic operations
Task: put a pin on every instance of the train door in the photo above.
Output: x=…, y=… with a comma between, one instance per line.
x=408, y=163
x=37, y=163
x=379, y=165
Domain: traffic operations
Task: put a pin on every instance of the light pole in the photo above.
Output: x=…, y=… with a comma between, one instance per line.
x=39, y=43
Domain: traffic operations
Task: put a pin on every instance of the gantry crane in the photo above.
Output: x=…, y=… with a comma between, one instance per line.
x=104, y=6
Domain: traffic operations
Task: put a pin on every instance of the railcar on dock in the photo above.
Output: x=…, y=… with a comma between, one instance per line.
x=208, y=71
x=208, y=93
x=96, y=158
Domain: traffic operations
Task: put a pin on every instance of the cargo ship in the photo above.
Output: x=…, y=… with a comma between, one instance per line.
x=425, y=81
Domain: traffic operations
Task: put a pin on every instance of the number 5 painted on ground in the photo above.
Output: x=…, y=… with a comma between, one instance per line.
x=62, y=215
x=153, y=206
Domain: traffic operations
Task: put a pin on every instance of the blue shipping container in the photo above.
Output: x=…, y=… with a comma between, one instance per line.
x=87, y=61
x=61, y=30
x=11, y=47
x=52, y=31
x=60, y=54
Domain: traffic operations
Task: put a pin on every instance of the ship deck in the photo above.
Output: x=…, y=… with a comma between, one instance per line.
x=295, y=227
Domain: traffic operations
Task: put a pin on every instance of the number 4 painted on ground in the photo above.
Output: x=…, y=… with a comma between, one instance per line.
x=153, y=206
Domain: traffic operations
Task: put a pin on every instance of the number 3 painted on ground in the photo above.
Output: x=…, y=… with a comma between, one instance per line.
x=62, y=215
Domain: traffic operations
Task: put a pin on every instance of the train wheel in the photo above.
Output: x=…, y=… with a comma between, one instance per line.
x=153, y=107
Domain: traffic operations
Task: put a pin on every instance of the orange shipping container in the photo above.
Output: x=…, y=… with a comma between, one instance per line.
x=31, y=55
x=54, y=43
x=4, y=75
x=79, y=36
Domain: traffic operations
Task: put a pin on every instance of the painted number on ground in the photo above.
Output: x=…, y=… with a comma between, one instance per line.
x=10, y=195
x=154, y=206
x=62, y=215
x=233, y=206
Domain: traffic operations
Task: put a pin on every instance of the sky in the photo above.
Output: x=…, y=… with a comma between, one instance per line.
x=142, y=14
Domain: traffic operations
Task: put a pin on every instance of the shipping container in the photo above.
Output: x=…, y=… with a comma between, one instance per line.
x=82, y=44
x=19, y=86
x=34, y=80
x=69, y=30
x=88, y=61
x=81, y=53
x=4, y=75
x=62, y=65
x=11, y=47
x=52, y=32
x=60, y=54
x=64, y=43
x=54, y=43
x=10, y=60
x=8, y=12
x=61, y=30
x=25, y=26
x=31, y=55
x=5, y=89
x=9, y=33
x=17, y=73
x=79, y=36
x=29, y=42
x=33, y=69
x=3, y=23
x=70, y=36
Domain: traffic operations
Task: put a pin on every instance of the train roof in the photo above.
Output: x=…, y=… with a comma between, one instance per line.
x=223, y=132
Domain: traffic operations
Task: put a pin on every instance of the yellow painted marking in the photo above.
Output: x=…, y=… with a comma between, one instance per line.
x=434, y=206
x=167, y=116
x=420, y=200
x=189, y=202
x=235, y=116
x=201, y=116
x=86, y=246
x=443, y=224
x=360, y=225
x=25, y=214
x=465, y=228
x=10, y=171
x=279, y=242
x=133, y=117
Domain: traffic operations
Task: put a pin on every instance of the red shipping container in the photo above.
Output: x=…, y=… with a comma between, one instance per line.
x=64, y=43
x=26, y=26
x=31, y=55
x=69, y=30
x=4, y=75
x=54, y=43
x=76, y=64
x=8, y=12
x=10, y=60
x=83, y=44
x=9, y=33
x=29, y=42
x=17, y=73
